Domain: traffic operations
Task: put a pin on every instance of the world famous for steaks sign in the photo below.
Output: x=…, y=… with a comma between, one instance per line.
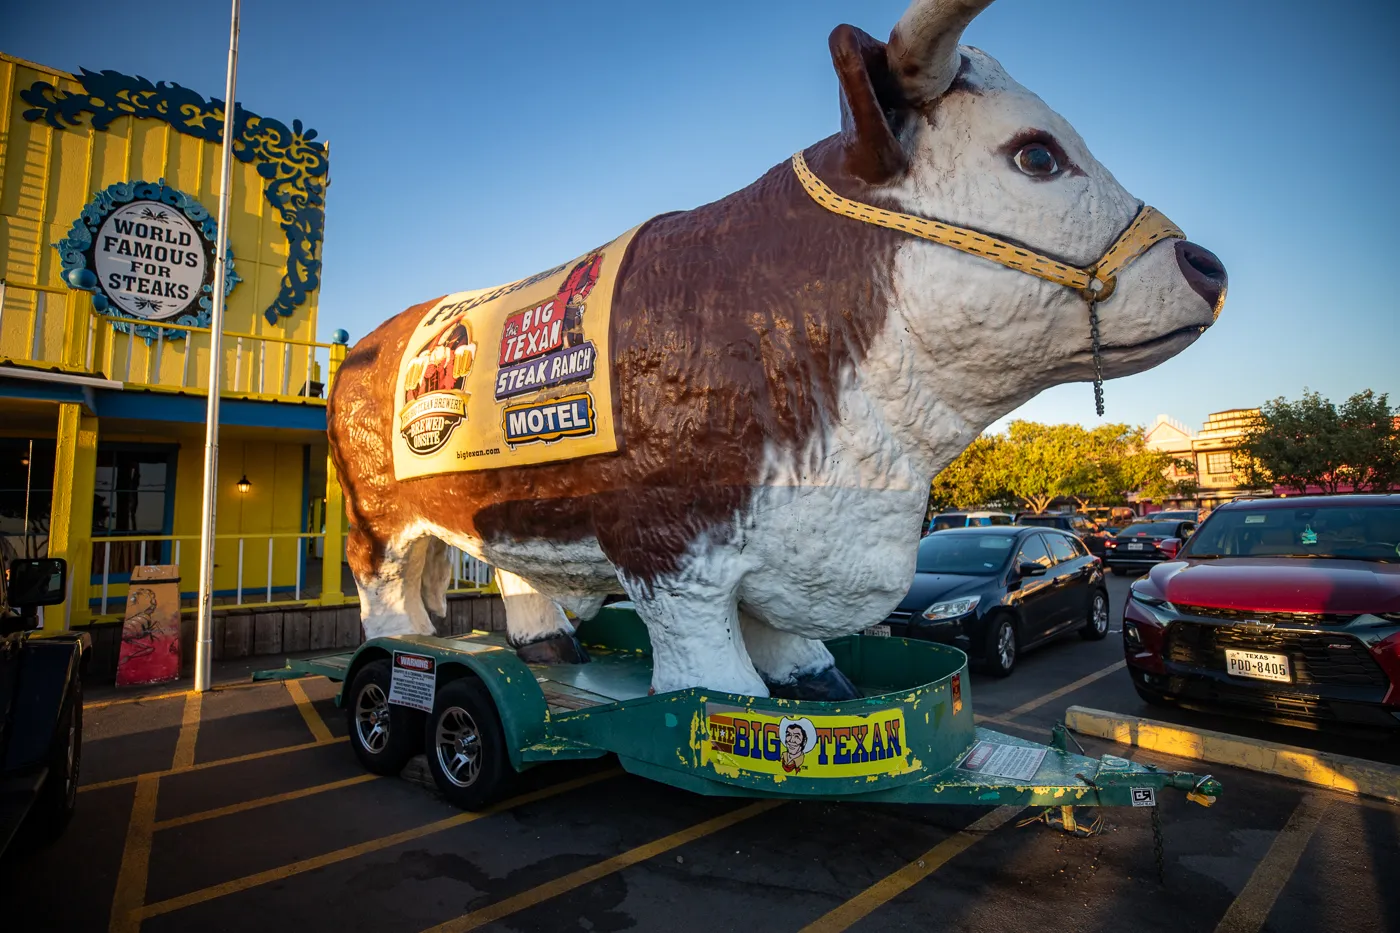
x=512, y=375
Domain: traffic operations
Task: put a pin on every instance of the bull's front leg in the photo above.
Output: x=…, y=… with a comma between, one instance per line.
x=536, y=625
x=692, y=618
x=795, y=668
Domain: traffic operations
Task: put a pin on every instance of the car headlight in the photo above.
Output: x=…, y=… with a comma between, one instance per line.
x=951, y=609
x=1156, y=602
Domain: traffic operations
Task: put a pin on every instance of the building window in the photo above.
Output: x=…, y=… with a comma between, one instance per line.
x=15, y=475
x=1222, y=462
x=132, y=497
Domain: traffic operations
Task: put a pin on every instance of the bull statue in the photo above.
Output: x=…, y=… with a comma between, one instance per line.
x=789, y=368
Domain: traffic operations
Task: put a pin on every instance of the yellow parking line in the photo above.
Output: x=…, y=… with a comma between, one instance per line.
x=543, y=892
x=251, y=756
x=263, y=802
x=363, y=848
x=130, y=893
x=314, y=722
x=1067, y=688
x=893, y=885
x=123, y=701
x=189, y=732
x=1251, y=908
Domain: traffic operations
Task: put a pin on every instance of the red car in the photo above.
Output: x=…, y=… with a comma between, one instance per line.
x=1284, y=609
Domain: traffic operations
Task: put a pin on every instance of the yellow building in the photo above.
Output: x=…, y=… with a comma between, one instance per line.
x=108, y=205
x=1211, y=451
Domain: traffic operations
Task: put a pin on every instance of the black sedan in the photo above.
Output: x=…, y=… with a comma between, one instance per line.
x=1139, y=547
x=994, y=592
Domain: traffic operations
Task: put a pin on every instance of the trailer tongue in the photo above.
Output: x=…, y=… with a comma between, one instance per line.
x=480, y=715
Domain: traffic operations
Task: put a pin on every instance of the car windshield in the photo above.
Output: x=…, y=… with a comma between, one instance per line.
x=974, y=555
x=1352, y=532
x=1044, y=521
x=940, y=522
x=1149, y=530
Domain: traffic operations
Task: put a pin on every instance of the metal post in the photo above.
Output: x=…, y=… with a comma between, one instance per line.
x=204, y=642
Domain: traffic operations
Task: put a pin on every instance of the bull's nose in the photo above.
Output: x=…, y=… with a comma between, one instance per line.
x=1204, y=272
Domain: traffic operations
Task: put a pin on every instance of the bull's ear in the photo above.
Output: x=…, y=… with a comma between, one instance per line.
x=872, y=105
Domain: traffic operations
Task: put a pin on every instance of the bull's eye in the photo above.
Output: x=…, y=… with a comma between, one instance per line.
x=1037, y=161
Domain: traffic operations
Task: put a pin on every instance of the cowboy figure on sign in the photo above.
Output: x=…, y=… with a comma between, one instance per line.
x=799, y=738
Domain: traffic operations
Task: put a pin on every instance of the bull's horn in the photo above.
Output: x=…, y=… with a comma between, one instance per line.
x=923, y=49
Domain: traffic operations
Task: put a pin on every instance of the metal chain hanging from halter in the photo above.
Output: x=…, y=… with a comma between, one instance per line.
x=1098, y=356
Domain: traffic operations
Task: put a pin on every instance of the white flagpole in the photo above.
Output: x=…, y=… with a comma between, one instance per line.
x=203, y=655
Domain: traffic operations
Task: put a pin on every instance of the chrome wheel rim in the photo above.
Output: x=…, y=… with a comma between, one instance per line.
x=458, y=745
x=1100, y=613
x=372, y=719
x=1006, y=645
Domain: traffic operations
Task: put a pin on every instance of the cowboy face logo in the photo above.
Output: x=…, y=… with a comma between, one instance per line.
x=433, y=388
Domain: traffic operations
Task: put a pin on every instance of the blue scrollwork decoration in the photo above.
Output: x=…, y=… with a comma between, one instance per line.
x=290, y=159
x=76, y=247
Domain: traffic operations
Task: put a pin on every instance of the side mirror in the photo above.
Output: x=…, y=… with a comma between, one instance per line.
x=1030, y=569
x=1170, y=546
x=37, y=582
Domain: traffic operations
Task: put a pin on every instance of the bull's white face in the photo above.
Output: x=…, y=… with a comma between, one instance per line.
x=992, y=156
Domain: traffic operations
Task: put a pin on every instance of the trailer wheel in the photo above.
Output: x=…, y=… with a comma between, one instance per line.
x=465, y=745
x=58, y=797
x=384, y=737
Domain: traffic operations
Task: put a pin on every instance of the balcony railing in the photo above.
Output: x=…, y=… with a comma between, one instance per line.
x=49, y=327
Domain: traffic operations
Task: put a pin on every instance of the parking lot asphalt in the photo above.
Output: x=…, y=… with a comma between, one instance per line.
x=244, y=809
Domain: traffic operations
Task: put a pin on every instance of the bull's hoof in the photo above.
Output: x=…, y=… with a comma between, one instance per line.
x=561, y=648
x=829, y=684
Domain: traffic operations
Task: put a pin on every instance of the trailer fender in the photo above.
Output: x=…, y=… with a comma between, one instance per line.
x=519, y=701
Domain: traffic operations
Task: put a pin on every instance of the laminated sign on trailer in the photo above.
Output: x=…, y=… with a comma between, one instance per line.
x=512, y=375
x=413, y=681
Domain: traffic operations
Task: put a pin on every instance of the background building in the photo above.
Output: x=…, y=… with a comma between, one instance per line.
x=1212, y=452
x=108, y=203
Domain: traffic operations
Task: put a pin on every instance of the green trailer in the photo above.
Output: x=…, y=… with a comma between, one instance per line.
x=481, y=715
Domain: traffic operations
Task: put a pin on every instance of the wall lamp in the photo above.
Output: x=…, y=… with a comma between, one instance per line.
x=244, y=485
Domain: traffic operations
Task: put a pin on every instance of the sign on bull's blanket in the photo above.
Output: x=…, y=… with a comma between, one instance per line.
x=512, y=375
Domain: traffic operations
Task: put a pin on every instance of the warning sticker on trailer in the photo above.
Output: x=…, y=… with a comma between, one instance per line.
x=1019, y=762
x=413, y=681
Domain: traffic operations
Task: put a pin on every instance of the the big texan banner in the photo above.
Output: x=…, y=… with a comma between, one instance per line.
x=512, y=375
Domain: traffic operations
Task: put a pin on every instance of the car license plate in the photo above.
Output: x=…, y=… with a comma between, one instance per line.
x=1134, y=547
x=1258, y=665
x=879, y=631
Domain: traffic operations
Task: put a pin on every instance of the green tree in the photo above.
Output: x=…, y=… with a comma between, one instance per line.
x=971, y=480
x=1311, y=442
x=1039, y=461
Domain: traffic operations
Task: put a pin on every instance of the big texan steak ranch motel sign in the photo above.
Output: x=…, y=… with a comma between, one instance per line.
x=150, y=260
x=512, y=375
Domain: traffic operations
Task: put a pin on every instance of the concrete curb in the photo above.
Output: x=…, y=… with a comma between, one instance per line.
x=1324, y=769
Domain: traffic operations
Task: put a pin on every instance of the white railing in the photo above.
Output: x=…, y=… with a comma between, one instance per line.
x=116, y=555
x=35, y=324
x=468, y=573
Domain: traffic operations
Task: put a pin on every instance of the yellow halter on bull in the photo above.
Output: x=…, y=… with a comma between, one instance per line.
x=1094, y=283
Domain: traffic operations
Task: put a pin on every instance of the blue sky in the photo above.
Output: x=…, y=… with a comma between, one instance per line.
x=475, y=142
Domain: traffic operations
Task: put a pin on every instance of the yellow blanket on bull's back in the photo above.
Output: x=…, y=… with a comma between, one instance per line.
x=512, y=375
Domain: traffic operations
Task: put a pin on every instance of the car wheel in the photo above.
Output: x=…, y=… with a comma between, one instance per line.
x=58, y=798
x=466, y=746
x=1002, y=646
x=1096, y=626
x=384, y=736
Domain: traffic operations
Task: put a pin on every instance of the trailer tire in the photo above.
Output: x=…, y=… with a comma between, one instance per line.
x=465, y=745
x=58, y=798
x=384, y=736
